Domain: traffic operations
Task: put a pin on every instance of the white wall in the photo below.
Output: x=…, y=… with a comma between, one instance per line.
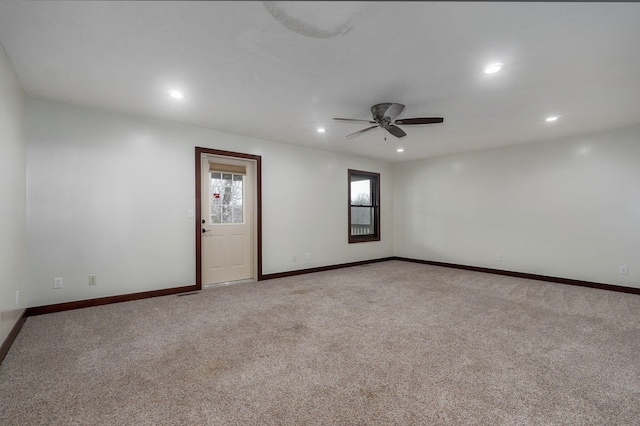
x=565, y=208
x=12, y=198
x=108, y=194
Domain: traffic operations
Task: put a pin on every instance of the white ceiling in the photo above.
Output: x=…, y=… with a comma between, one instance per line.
x=278, y=70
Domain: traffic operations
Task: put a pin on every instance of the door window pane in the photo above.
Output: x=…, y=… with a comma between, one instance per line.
x=227, y=195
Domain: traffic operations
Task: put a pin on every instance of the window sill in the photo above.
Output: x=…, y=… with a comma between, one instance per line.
x=363, y=238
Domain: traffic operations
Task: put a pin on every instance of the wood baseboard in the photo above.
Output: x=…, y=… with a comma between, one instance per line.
x=6, y=345
x=322, y=268
x=46, y=309
x=580, y=283
x=59, y=307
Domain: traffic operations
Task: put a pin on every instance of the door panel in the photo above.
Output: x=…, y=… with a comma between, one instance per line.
x=216, y=251
x=238, y=250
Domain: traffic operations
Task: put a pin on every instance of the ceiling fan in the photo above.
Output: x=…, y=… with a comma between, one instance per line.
x=384, y=115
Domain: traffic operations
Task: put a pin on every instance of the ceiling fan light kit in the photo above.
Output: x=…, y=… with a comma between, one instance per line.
x=384, y=115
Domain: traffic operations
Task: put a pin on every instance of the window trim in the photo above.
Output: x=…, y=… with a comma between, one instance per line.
x=375, y=203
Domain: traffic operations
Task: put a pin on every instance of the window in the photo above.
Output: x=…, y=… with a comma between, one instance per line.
x=226, y=189
x=364, y=206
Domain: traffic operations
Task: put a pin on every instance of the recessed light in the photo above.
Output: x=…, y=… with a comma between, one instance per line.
x=493, y=68
x=552, y=118
x=321, y=130
x=175, y=94
x=400, y=149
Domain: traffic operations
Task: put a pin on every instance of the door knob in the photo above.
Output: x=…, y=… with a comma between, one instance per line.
x=205, y=230
x=204, y=221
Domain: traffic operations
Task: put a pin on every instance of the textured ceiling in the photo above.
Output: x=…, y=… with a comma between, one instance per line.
x=279, y=70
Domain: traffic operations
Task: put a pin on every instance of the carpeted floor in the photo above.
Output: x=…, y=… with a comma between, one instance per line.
x=387, y=343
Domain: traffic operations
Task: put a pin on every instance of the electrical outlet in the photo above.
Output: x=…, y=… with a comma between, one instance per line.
x=624, y=270
x=499, y=257
x=93, y=279
x=294, y=259
x=57, y=283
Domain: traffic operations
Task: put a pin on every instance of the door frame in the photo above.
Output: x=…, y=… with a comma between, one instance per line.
x=257, y=237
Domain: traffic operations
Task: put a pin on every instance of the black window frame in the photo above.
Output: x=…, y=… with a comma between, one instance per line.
x=375, y=204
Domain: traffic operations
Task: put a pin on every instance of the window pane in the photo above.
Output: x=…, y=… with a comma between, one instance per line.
x=236, y=190
x=237, y=214
x=362, y=220
x=227, y=198
x=361, y=192
x=216, y=187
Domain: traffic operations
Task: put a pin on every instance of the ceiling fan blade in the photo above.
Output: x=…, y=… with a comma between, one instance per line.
x=363, y=131
x=354, y=120
x=393, y=111
x=420, y=120
x=396, y=131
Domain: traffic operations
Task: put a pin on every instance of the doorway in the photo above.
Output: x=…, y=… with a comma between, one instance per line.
x=228, y=217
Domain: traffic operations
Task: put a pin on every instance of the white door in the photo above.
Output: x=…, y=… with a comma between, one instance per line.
x=227, y=220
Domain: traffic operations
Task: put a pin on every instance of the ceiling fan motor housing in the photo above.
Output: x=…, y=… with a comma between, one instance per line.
x=378, y=110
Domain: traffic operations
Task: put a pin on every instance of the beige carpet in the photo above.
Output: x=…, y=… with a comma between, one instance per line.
x=387, y=343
